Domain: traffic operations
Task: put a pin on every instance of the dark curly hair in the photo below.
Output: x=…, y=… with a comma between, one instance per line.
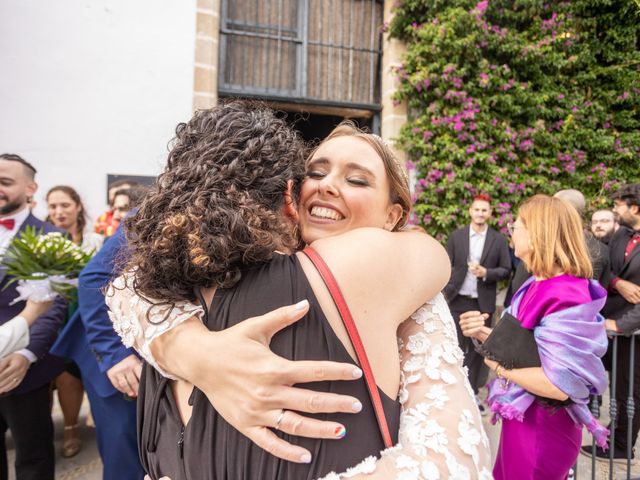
x=216, y=207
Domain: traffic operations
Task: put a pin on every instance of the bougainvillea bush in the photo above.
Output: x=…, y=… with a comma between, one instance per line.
x=517, y=97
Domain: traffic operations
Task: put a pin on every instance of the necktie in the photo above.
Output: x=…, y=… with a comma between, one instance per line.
x=8, y=223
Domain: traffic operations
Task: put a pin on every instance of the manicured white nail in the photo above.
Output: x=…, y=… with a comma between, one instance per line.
x=357, y=373
x=357, y=406
x=305, y=458
x=302, y=305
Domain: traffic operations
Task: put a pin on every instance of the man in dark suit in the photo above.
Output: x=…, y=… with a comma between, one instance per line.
x=479, y=259
x=622, y=311
x=110, y=371
x=25, y=375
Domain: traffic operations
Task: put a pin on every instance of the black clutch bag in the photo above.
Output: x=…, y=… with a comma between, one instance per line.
x=514, y=346
x=510, y=344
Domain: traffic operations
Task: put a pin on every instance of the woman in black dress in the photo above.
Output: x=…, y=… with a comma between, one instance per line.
x=179, y=247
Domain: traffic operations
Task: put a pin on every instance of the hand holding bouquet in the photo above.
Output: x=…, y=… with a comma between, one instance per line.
x=44, y=265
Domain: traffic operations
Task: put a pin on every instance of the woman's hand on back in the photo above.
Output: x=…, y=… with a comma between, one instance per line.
x=250, y=386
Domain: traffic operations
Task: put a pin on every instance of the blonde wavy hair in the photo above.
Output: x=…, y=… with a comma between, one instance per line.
x=557, y=238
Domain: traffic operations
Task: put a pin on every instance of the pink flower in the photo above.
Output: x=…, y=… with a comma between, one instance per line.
x=525, y=145
x=481, y=7
x=448, y=69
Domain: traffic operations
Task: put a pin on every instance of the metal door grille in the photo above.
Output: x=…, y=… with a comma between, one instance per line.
x=320, y=51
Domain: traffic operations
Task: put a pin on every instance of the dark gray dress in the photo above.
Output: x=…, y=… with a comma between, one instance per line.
x=208, y=447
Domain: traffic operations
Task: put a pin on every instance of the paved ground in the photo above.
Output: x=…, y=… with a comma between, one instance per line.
x=87, y=466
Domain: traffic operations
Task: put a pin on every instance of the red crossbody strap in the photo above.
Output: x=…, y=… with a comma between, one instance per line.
x=352, y=330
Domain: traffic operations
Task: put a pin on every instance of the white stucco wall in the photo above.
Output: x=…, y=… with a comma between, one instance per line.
x=91, y=87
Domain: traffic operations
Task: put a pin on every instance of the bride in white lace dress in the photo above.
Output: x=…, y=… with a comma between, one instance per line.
x=441, y=434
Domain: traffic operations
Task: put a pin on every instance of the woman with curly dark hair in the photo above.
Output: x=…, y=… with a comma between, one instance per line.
x=218, y=229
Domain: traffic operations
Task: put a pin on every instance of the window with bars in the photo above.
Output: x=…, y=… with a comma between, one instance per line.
x=313, y=51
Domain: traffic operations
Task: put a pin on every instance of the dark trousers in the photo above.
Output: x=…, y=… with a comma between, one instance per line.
x=115, y=419
x=472, y=359
x=28, y=416
x=622, y=390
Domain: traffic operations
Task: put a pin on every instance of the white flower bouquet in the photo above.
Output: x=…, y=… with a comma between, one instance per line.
x=44, y=265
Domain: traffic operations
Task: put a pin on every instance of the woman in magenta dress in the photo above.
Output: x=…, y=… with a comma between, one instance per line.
x=543, y=409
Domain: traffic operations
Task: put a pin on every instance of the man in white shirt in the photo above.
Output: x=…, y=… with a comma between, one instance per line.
x=25, y=375
x=479, y=259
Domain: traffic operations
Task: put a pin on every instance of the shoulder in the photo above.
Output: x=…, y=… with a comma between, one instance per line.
x=459, y=234
x=368, y=242
x=375, y=258
x=560, y=292
x=46, y=227
x=621, y=236
x=497, y=235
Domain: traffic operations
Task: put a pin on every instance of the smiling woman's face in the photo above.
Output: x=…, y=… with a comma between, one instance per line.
x=346, y=187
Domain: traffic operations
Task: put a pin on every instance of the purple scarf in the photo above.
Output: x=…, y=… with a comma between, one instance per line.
x=570, y=343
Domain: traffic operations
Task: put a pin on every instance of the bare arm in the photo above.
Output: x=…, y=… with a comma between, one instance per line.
x=533, y=380
x=373, y=266
x=247, y=383
x=441, y=433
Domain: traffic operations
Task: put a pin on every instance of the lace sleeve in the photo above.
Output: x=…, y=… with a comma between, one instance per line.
x=441, y=433
x=139, y=321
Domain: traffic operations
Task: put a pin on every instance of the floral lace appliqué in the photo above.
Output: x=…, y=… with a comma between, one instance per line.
x=138, y=321
x=441, y=434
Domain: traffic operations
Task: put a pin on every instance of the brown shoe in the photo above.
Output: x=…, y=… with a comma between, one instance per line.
x=71, y=443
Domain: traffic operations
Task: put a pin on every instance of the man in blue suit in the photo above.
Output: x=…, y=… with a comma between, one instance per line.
x=25, y=375
x=110, y=371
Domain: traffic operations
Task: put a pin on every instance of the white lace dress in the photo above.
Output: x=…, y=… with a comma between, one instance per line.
x=441, y=434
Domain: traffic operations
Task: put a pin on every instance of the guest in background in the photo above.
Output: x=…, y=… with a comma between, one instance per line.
x=479, y=259
x=544, y=408
x=121, y=204
x=106, y=224
x=66, y=211
x=26, y=375
x=598, y=252
x=604, y=225
x=622, y=313
x=110, y=370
